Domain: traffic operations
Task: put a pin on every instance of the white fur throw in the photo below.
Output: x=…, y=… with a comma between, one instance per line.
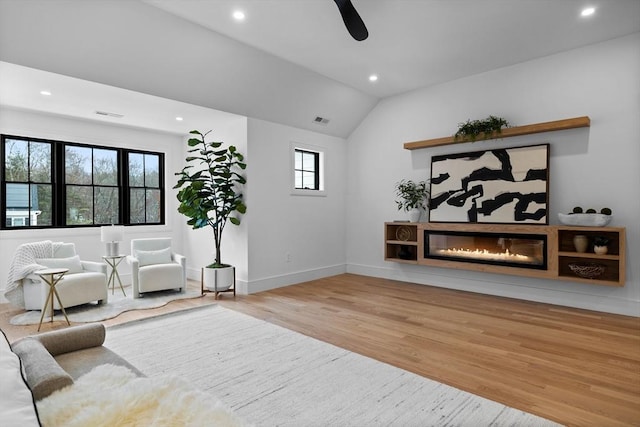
x=111, y=395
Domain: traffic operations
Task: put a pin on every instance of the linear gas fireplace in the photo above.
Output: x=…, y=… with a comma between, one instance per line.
x=506, y=249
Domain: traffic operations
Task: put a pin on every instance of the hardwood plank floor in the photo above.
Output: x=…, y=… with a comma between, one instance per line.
x=573, y=366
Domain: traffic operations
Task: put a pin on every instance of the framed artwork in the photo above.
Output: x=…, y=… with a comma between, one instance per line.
x=501, y=186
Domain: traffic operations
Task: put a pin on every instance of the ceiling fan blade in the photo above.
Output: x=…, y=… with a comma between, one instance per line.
x=352, y=20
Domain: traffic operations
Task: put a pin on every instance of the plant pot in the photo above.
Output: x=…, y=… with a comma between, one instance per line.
x=600, y=250
x=218, y=279
x=414, y=215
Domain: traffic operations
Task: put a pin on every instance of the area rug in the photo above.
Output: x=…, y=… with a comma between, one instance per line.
x=271, y=376
x=118, y=304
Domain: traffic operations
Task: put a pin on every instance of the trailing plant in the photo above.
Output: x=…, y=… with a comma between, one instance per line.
x=412, y=195
x=480, y=129
x=210, y=188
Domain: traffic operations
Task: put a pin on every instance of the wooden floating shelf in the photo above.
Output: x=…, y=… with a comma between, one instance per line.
x=574, y=123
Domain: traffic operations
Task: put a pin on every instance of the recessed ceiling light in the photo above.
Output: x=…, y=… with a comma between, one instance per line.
x=373, y=78
x=588, y=11
x=238, y=15
x=45, y=93
x=179, y=119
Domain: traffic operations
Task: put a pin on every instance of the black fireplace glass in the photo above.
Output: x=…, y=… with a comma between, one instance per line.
x=506, y=249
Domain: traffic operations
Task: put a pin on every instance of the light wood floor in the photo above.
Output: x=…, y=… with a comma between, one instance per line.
x=575, y=367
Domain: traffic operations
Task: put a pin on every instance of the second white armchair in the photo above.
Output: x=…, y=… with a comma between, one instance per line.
x=155, y=267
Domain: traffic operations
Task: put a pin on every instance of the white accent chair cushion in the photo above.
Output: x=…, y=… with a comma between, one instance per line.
x=155, y=267
x=85, y=282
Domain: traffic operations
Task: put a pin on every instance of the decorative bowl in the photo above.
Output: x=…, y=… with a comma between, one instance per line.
x=590, y=220
x=587, y=271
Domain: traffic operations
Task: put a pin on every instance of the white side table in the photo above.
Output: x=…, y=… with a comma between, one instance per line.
x=51, y=277
x=113, y=261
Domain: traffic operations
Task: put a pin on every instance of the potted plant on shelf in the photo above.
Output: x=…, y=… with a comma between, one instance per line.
x=487, y=128
x=210, y=196
x=412, y=197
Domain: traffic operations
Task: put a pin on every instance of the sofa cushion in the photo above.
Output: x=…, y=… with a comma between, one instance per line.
x=17, y=407
x=72, y=263
x=161, y=256
x=44, y=375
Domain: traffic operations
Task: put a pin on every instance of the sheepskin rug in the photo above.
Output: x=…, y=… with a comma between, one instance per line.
x=111, y=395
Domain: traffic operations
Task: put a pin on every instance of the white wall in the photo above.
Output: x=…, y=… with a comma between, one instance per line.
x=591, y=167
x=87, y=240
x=310, y=229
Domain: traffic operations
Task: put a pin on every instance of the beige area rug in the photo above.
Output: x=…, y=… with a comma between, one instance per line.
x=272, y=376
x=118, y=304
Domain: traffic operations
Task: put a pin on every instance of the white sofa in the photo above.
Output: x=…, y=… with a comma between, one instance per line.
x=155, y=267
x=85, y=282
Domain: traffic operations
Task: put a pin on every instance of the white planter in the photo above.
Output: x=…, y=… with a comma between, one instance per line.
x=218, y=279
x=415, y=214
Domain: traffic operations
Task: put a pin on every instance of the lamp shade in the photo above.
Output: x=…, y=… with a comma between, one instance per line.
x=112, y=233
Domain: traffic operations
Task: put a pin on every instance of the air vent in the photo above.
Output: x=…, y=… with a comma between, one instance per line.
x=321, y=121
x=106, y=113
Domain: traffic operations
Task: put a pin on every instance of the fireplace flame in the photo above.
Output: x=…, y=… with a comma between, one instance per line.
x=483, y=254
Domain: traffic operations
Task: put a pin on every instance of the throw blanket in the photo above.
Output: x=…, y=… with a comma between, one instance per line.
x=23, y=264
x=110, y=396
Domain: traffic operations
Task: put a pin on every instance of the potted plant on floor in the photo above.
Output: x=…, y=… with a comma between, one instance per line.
x=413, y=198
x=210, y=195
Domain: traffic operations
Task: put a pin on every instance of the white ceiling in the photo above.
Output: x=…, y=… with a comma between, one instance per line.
x=290, y=61
x=411, y=43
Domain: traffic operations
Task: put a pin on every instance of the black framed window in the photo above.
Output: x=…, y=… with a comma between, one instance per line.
x=27, y=184
x=145, y=194
x=307, y=170
x=63, y=184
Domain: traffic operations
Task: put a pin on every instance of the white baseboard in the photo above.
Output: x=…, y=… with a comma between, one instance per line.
x=295, y=277
x=505, y=286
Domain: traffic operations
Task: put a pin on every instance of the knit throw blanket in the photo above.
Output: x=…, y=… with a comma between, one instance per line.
x=23, y=264
x=112, y=396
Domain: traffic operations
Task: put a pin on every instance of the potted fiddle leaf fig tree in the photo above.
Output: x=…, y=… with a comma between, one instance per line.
x=210, y=195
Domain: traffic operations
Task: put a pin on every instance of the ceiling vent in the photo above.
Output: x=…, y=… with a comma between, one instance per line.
x=321, y=121
x=105, y=113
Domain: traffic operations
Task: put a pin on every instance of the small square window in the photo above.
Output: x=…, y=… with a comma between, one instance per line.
x=307, y=170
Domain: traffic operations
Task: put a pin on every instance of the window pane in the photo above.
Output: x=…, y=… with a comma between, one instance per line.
x=151, y=171
x=16, y=164
x=79, y=205
x=42, y=208
x=106, y=205
x=17, y=204
x=105, y=167
x=40, y=162
x=153, y=206
x=298, y=176
x=136, y=170
x=137, y=204
x=309, y=161
x=309, y=180
x=77, y=165
x=298, y=159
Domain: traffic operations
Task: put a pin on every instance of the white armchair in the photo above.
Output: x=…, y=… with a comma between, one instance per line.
x=155, y=267
x=85, y=282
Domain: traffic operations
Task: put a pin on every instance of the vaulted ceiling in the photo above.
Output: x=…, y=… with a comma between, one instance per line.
x=289, y=61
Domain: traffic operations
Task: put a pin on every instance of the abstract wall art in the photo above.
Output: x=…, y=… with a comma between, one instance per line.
x=501, y=186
